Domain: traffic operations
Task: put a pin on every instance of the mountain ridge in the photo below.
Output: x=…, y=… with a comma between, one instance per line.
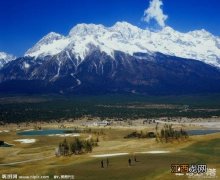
x=5, y=58
x=122, y=36
x=94, y=59
x=99, y=73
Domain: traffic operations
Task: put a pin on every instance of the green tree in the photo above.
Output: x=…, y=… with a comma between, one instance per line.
x=65, y=147
x=88, y=146
x=76, y=146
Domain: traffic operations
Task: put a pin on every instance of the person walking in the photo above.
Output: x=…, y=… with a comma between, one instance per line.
x=102, y=164
x=135, y=159
x=129, y=161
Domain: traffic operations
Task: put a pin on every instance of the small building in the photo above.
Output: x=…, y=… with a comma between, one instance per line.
x=103, y=123
x=97, y=123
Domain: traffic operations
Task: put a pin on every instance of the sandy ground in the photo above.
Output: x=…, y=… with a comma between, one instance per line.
x=187, y=123
x=200, y=124
x=4, y=131
x=210, y=125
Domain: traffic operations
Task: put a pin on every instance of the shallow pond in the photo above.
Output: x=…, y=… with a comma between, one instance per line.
x=202, y=131
x=45, y=132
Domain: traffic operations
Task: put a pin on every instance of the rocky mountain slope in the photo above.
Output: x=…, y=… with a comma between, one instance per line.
x=123, y=58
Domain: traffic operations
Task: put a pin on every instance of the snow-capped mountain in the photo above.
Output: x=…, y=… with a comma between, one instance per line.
x=99, y=73
x=5, y=58
x=118, y=59
x=47, y=45
x=84, y=38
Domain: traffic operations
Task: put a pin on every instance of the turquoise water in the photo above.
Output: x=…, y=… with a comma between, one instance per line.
x=64, y=131
x=43, y=132
x=202, y=132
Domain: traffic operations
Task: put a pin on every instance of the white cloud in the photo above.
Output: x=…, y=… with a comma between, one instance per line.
x=154, y=11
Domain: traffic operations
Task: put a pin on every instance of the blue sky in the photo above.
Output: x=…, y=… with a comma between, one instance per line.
x=24, y=22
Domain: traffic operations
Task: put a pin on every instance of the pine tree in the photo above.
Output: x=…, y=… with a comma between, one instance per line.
x=88, y=146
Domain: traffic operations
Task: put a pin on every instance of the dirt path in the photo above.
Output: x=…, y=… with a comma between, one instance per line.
x=26, y=161
x=88, y=138
x=125, y=153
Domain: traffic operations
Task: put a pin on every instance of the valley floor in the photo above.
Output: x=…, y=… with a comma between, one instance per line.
x=35, y=155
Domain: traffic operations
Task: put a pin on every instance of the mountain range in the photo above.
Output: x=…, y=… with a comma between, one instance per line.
x=5, y=58
x=118, y=59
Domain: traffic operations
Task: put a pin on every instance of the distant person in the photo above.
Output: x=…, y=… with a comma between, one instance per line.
x=129, y=161
x=135, y=159
x=102, y=164
x=107, y=162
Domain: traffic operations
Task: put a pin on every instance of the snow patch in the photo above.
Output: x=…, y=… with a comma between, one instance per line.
x=26, y=141
x=78, y=82
x=153, y=152
x=65, y=135
x=5, y=131
x=29, y=130
x=109, y=155
x=26, y=65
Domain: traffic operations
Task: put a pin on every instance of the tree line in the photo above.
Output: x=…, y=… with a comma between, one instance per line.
x=168, y=134
x=76, y=146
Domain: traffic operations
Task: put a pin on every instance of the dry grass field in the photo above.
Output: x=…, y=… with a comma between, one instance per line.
x=39, y=158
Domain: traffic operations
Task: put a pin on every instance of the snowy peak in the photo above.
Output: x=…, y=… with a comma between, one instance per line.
x=168, y=30
x=126, y=30
x=86, y=29
x=122, y=36
x=52, y=36
x=5, y=58
x=49, y=38
x=48, y=45
x=201, y=33
x=124, y=26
